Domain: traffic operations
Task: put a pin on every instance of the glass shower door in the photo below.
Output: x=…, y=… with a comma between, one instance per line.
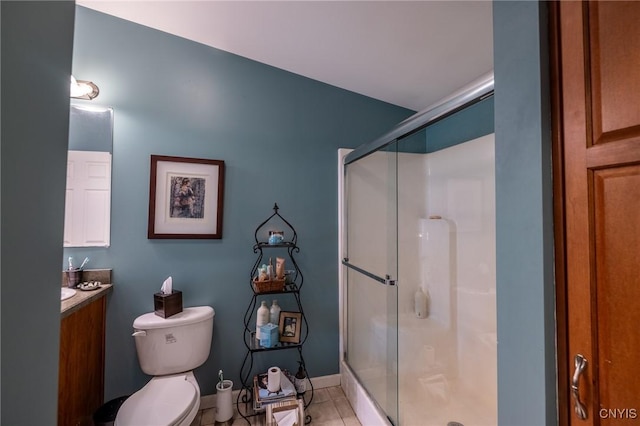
x=372, y=266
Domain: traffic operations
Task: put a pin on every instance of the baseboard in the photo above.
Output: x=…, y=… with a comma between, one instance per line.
x=326, y=381
x=209, y=401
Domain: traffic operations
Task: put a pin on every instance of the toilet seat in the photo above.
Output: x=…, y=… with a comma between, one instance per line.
x=164, y=401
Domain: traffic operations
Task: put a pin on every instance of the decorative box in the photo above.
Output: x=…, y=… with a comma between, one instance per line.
x=269, y=335
x=281, y=408
x=165, y=305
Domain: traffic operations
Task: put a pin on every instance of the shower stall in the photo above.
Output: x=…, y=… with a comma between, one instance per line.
x=417, y=283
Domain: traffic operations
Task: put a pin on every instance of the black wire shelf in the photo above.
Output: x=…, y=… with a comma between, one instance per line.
x=293, y=287
x=254, y=345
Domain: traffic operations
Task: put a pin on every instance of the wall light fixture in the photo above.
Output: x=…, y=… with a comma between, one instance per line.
x=81, y=89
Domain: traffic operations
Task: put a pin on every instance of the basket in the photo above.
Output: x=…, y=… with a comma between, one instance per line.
x=267, y=286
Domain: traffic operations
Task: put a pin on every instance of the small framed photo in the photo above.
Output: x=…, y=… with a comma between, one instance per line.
x=290, y=326
x=185, y=198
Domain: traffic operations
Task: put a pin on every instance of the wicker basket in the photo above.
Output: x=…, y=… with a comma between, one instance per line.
x=266, y=286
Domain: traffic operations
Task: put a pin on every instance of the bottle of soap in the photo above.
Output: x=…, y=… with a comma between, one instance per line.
x=300, y=381
x=274, y=313
x=421, y=303
x=262, y=317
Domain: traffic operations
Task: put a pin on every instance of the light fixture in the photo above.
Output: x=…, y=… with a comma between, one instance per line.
x=81, y=89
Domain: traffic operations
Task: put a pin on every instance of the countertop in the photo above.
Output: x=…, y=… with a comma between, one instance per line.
x=83, y=298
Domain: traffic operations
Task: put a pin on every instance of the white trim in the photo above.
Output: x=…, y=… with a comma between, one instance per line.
x=342, y=153
x=209, y=401
x=325, y=381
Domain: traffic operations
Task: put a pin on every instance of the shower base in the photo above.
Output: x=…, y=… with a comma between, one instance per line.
x=428, y=400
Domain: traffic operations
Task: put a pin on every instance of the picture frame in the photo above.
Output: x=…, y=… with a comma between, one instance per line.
x=185, y=198
x=290, y=326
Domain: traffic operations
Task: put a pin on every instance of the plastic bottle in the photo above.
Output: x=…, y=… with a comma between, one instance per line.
x=270, y=272
x=262, y=317
x=421, y=303
x=300, y=381
x=274, y=313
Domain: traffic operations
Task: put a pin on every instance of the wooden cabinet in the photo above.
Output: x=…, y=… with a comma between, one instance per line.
x=597, y=132
x=81, y=371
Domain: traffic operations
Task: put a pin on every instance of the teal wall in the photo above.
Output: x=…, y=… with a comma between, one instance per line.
x=36, y=53
x=278, y=134
x=470, y=123
x=524, y=216
x=37, y=39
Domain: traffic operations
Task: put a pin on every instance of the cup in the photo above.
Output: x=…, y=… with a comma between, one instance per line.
x=276, y=237
x=74, y=277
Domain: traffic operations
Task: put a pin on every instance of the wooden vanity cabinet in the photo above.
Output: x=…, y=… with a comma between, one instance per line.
x=81, y=371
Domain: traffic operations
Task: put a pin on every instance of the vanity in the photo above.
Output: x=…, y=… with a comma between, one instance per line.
x=82, y=349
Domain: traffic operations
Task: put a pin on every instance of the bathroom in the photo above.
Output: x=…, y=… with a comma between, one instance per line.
x=195, y=266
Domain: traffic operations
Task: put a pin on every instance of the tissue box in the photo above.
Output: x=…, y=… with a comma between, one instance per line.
x=269, y=335
x=166, y=305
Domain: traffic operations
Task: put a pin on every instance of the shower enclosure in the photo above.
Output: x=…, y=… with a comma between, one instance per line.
x=418, y=278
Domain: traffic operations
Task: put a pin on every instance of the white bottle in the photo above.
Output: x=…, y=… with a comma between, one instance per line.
x=262, y=317
x=274, y=313
x=421, y=303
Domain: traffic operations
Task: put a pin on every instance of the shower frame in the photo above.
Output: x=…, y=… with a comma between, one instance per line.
x=477, y=91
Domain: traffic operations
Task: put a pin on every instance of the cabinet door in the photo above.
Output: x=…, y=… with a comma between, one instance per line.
x=87, y=215
x=599, y=135
x=81, y=373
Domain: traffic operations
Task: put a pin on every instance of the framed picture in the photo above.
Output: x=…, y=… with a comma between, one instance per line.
x=185, y=198
x=290, y=326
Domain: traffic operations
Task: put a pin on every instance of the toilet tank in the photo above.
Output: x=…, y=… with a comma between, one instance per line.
x=176, y=344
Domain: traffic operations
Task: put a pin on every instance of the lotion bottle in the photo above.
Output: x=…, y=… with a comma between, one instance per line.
x=300, y=381
x=262, y=317
x=421, y=303
x=274, y=313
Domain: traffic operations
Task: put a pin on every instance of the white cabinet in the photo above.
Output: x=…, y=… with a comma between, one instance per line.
x=88, y=199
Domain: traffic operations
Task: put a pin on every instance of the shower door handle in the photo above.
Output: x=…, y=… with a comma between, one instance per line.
x=580, y=365
x=387, y=280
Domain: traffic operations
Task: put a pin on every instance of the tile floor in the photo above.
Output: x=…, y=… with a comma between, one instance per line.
x=329, y=407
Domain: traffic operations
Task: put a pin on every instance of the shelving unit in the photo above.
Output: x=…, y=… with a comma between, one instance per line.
x=292, y=288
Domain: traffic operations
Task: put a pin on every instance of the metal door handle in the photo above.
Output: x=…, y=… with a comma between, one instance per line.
x=579, y=408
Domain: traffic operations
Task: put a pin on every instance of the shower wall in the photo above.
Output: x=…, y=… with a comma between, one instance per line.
x=444, y=224
x=446, y=229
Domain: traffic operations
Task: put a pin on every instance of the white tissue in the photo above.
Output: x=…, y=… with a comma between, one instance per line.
x=286, y=418
x=167, y=286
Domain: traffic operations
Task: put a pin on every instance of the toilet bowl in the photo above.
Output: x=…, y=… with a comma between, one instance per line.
x=169, y=349
x=164, y=401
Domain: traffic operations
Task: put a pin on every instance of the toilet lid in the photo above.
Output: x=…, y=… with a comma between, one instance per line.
x=163, y=401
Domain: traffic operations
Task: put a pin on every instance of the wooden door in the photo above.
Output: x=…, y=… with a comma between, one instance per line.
x=596, y=88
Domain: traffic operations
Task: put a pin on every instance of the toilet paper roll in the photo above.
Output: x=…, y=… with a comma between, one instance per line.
x=273, y=379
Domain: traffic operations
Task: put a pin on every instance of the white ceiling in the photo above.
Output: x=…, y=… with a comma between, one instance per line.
x=408, y=53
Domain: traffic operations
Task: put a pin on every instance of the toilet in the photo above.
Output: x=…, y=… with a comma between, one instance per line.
x=169, y=349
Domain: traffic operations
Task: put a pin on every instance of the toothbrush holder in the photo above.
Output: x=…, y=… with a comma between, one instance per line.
x=74, y=277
